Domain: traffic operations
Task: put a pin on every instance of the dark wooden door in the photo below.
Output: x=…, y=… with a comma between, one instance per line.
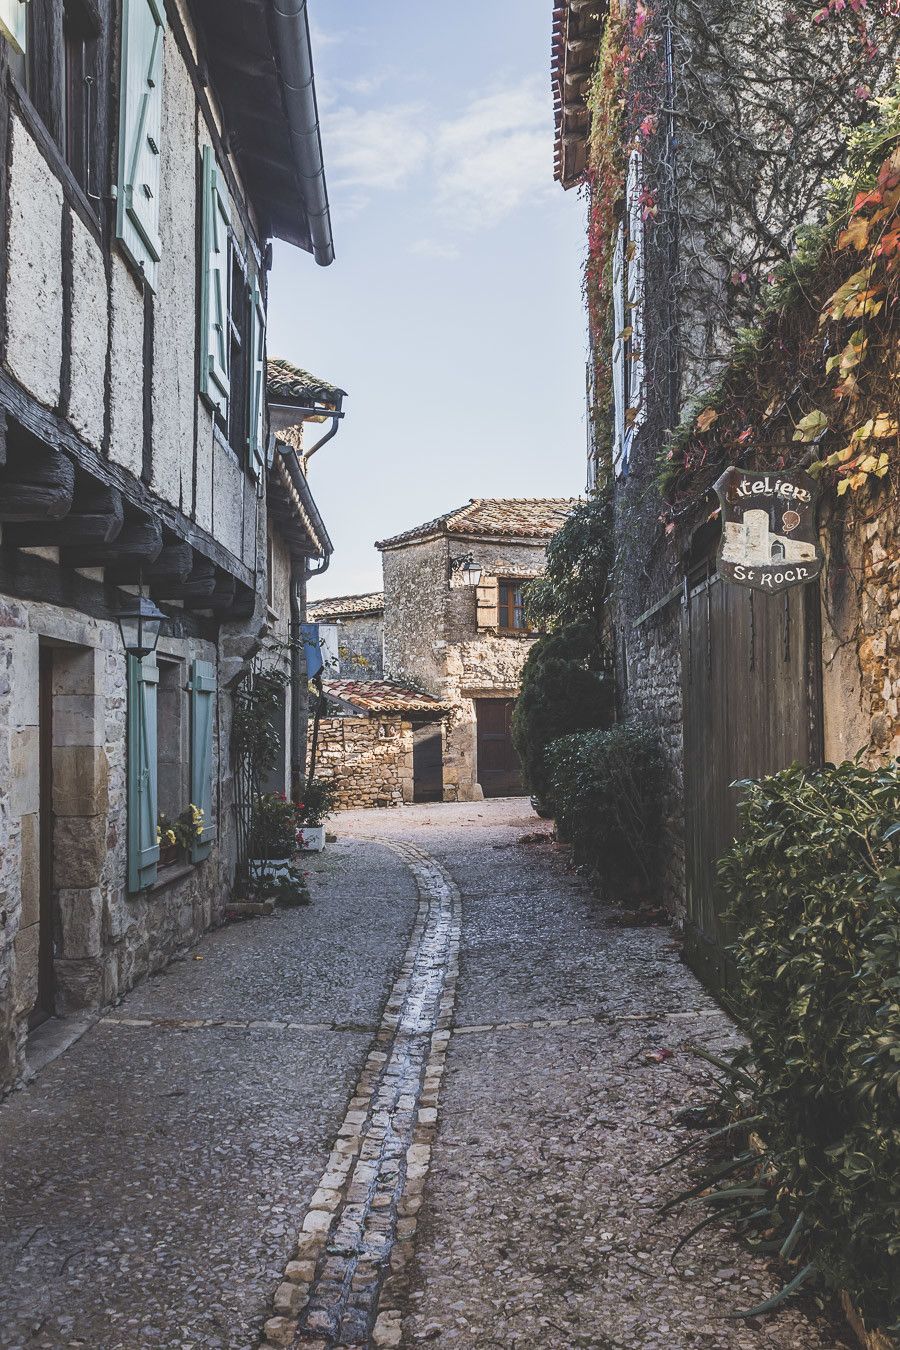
x=752, y=705
x=428, y=763
x=46, y=994
x=499, y=771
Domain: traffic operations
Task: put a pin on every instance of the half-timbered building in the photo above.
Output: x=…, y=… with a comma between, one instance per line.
x=149, y=152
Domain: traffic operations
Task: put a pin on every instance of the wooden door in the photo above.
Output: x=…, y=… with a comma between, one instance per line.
x=499, y=771
x=45, y=1005
x=751, y=681
x=428, y=763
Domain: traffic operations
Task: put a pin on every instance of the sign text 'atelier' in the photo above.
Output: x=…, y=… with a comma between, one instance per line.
x=769, y=536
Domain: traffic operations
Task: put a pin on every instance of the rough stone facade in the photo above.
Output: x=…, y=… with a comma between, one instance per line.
x=353, y=627
x=369, y=759
x=443, y=635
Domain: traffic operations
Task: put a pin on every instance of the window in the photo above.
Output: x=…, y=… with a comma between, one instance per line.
x=511, y=607
x=628, y=319
x=171, y=739
x=14, y=28
x=79, y=93
x=232, y=326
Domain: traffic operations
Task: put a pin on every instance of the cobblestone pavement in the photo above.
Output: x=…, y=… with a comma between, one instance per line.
x=424, y=1110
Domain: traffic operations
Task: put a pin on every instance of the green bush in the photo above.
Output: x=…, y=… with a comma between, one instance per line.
x=562, y=691
x=814, y=883
x=607, y=789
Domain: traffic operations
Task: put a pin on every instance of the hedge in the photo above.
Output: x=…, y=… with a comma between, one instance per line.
x=606, y=787
x=814, y=884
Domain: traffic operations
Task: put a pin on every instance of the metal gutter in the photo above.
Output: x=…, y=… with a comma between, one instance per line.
x=301, y=486
x=290, y=27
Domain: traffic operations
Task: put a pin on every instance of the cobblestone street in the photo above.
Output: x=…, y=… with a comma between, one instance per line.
x=313, y=1133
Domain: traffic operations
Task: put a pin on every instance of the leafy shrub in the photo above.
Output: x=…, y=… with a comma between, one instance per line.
x=562, y=691
x=815, y=888
x=607, y=789
x=274, y=830
x=319, y=799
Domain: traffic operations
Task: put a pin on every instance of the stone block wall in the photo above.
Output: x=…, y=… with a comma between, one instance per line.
x=360, y=642
x=369, y=759
x=103, y=940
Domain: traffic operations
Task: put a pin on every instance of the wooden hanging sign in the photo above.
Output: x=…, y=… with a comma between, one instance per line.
x=769, y=535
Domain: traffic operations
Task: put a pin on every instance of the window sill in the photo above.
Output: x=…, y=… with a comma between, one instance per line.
x=170, y=876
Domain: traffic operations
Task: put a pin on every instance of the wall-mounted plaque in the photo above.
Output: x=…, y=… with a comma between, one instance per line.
x=769, y=535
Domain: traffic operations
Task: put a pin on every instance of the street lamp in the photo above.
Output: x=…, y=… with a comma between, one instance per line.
x=139, y=622
x=468, y=569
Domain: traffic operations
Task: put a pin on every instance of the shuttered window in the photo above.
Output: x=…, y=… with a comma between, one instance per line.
x=487, y=599
x=628, y=319
x=203, y=715
x=143, y=849
x=214, y=295
x=257, y=380
x=619, y=351
x=14, y=22
x=140, y=130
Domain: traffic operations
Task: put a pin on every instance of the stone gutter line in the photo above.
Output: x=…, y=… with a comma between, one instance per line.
x=346, y=1282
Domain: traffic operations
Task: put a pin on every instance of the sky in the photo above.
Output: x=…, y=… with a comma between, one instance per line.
x=452, y=314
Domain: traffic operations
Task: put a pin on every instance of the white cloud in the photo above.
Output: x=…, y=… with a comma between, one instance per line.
x=438, y=249
x=496, y=155
x=377, y=149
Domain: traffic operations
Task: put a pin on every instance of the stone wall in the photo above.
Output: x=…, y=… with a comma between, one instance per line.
x=103, y=939
x=369, y=759
x=360, y=643
x=437, y=636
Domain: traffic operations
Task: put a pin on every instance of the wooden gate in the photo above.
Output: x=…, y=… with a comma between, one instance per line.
x=499, y=771
x=751, y=680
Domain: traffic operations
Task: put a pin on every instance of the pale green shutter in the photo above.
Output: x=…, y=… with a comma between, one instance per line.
x=143, y=850
x=203, y=715
x=140, y=131
x=257, y=378
x=214, y=378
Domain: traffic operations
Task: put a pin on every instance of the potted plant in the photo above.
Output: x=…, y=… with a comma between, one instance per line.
x=273, y=836
x=318, y=802
x=175, y=837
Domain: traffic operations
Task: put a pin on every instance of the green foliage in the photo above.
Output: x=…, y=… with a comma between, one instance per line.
x=575, y=584
x=815, y=887
x=564, y=689
x=275, y=822
x=319, y=799
x=607, y=788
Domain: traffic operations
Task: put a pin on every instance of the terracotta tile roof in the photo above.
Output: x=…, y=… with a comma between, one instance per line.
x=287, y=383
x=341, y=606
x=525, y=517
x=382, y=696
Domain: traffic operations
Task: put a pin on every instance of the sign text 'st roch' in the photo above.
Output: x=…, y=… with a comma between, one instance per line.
x=769, y=535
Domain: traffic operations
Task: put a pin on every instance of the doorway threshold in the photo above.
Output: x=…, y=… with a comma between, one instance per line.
x=51, y=1039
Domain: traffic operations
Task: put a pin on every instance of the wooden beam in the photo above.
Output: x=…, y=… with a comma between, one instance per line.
x=96, y=517
x=37, y=483
x=222, y=598
x=55, y=431
x=137, y=544
x=172, y=566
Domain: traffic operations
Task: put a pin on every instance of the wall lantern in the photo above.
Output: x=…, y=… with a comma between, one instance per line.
x=139, y=622
x=467, y=568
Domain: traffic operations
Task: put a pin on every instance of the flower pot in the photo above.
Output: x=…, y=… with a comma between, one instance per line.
x=269, y=869
x=169, y=855
x=311, y=838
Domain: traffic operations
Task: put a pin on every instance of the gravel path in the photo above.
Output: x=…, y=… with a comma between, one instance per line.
x=540, y=1225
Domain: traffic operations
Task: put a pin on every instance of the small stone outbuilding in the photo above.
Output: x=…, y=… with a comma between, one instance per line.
x=367, y=745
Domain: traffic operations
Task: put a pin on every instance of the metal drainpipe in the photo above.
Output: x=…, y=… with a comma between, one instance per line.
x=290, y=24
x=300, y=573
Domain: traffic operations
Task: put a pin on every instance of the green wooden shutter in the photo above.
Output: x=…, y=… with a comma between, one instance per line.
x=14, y=22
x=257, y=378
x=143, y=850
x=140, y=131
x=203, y=714
x=214, y=376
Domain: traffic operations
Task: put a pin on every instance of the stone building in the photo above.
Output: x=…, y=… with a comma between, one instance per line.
x=690, y=373
x=454, y=626
x=148, y=154
x=352, y=628
x=368, y=744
